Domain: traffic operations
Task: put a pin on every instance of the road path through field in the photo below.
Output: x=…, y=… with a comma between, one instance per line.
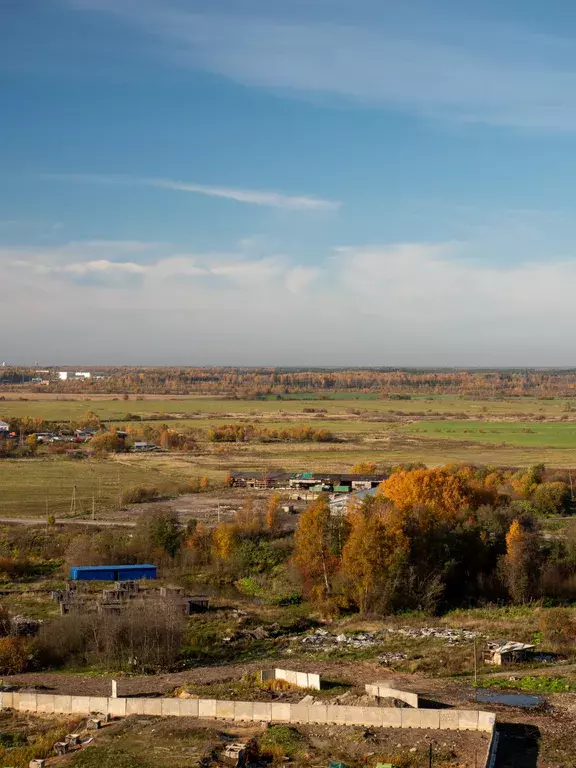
x=68, y=521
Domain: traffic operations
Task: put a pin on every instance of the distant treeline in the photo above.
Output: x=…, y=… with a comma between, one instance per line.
x=279, y=382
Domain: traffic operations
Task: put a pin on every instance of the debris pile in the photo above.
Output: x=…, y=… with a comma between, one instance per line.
x=325, y=640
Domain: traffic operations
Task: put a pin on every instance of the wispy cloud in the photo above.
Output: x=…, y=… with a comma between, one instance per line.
x=249, y=196
x=472, y=70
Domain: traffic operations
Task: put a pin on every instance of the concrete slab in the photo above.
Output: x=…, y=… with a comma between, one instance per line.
x=189, y=707
x=63, y=704
x=372, y=716
x=411, y=718
x=291, y=677
x=45, y=704
x=391, y=717
x=7, y=702
x=299, y=713
x=207, y=707
x=153, y=707
x=336, y=714
x=244, y=710
x=468, y=720
x=430, y=718
x=302, y=679
x=170, y=707
x=117, y=707
x=280, y=712
x=448, y=719
x=81, y=705
x=134, y=706
x=262, y=711
x=318, y=713
x=99, y=704
x=486, y=721
x=225, y=709
x=27, y=702
x=314, y=681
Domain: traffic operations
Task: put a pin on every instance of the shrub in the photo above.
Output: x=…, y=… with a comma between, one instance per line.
x=139, y=494
x=14, y=655
x=558, y=626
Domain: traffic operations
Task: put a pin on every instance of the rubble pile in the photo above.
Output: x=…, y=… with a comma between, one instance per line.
x=325, y=640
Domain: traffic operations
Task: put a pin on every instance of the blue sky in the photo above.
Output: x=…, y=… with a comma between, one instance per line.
x=300, y=182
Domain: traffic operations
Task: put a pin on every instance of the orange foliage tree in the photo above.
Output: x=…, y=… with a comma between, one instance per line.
x=438, y=490
x=314, y=551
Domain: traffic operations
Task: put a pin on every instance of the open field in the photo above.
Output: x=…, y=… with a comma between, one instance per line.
x=520, y=433
x=432, y=430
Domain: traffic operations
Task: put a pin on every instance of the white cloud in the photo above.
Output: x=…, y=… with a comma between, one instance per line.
x=424, y=62
x=249, y=196
x=399, y=304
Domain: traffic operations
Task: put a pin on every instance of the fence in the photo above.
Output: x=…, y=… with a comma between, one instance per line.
x=253, y=711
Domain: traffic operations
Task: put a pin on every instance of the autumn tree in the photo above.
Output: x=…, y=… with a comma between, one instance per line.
x=370, y=560
x=364, y=468
x=314, y=549
x=223, y=541
x=249, y=517
x=552, y=498
x=158, y=532
x=520, y=564
x=272, y=511
x=437, y=490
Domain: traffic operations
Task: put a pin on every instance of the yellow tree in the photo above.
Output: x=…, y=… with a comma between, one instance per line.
x=272, y=511
x=370, y=556
x=314, y=549
x=364, y=468
x=441, y=492
x=223, y=541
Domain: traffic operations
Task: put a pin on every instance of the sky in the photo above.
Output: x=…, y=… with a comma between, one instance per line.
x=288, y=182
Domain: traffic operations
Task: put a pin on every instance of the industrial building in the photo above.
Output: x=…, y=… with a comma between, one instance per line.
x=112, y=572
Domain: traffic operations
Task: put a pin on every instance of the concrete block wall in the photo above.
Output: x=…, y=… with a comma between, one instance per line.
x=382, y=691
x=250, y=711
x=301, y=679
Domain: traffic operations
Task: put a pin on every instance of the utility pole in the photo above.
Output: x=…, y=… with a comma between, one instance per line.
x=93, y=507
x=73, y=501
x=218, y=512
x=430, y=756
x=475, y=665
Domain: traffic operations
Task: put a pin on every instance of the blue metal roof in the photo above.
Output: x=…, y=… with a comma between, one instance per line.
x=110, y=567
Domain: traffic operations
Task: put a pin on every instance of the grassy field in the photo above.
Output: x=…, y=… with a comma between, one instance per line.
x=521, y=433
x=431, y=430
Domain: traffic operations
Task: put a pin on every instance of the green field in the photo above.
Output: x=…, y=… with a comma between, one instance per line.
x=517, y=433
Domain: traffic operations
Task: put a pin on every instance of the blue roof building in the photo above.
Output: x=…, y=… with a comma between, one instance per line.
x=112, y=572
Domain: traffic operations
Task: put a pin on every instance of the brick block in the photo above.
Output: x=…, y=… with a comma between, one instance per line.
x=280, y=712
x=430, y=718
x=411, y=718
x=153, y=707
x=207, y=707
x=117, y=707
x=391, y=717
x=99, y=704
x=45, y=704
x=63, y=704
x=134, y=706
x=170, y=707
x=225, y=709
x=299, y=713
x=189, y=707
x=467, y=720
x=262, y=711
x=486, y=721
x=448, y=720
